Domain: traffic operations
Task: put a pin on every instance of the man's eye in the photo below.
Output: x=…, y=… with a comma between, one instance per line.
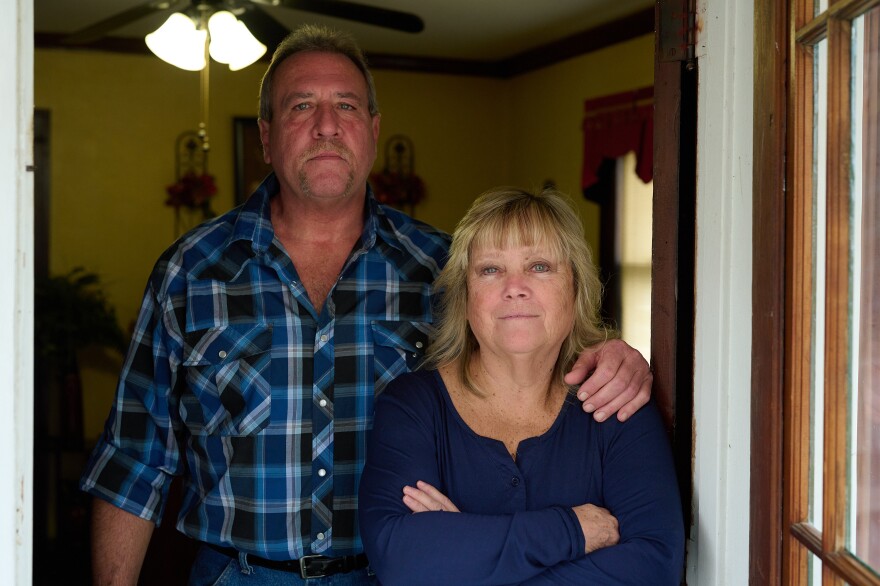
x=346, y=106
x=301, y=107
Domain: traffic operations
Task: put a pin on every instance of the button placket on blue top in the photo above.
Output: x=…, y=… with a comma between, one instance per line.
x=322, y=438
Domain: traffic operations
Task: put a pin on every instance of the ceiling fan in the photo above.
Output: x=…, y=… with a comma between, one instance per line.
x=263, y=26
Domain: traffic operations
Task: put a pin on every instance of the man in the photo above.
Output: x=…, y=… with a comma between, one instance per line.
x=263, y=338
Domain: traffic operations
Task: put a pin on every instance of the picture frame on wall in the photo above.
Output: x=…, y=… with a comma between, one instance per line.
x=250, y=169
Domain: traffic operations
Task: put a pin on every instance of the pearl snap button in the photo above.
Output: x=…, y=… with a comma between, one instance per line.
x=222, y=354
x=322, y=473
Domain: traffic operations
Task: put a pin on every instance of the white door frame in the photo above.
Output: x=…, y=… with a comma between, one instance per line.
x=719, y=548
x=16, y=291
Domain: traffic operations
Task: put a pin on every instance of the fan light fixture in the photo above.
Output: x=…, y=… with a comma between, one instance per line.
x=181, y=42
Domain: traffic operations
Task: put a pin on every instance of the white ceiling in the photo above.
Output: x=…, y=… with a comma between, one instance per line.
x=483, y=30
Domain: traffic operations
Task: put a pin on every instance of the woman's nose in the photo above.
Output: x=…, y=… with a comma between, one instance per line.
x=515, y=286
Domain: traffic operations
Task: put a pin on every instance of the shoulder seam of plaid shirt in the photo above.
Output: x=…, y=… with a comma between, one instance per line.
x=230, y=370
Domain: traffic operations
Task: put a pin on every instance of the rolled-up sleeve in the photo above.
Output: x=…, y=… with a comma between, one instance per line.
x=138, y=452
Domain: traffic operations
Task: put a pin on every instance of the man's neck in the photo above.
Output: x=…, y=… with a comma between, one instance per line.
x=303, y=220
x=318, y=238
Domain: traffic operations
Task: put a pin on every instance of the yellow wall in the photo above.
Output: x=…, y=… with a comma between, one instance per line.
x=115, y=118
x=548, y=108
x=457, y=124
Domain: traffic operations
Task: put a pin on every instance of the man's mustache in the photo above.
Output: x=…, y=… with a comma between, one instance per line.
x=327, y=146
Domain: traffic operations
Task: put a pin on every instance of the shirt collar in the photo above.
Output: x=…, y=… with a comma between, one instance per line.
x=254, y=221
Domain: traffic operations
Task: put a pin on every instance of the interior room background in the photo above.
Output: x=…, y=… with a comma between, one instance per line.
x=114, y=120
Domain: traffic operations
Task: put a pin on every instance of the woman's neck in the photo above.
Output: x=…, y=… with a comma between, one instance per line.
x=518, y=382
x=518, y=388
x=509, y=408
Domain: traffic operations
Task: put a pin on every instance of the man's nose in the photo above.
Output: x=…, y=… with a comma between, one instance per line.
x=326, y=122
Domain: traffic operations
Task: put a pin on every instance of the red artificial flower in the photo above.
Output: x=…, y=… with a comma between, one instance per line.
x=192, y=191
x=397, y=190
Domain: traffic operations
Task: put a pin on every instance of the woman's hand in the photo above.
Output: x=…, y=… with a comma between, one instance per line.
x=426, y=498
x=618, y=379
x=599, y=526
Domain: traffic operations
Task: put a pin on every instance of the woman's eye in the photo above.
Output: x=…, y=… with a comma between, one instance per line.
x=488, y=270
x=540, y=267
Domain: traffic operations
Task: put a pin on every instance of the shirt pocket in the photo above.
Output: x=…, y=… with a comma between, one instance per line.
x=227, y=373
x=398, y=347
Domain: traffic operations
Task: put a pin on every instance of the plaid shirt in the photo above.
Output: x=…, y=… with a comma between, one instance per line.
x=232, y=372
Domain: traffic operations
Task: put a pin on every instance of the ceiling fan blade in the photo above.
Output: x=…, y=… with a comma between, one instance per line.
x=393, y=19
x=269, y=31
x=102, y=27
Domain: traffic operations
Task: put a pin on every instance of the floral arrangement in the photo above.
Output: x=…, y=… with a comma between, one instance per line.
x=396, y=189
x=192, y=191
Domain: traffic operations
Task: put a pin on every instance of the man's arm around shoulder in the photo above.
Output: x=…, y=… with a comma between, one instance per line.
x=618, y=380
x=119, y=544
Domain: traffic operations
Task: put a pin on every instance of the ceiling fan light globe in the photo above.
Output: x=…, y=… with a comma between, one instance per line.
x=222, y=29
x=247, y=48
x=231, y=41
x=179, y=43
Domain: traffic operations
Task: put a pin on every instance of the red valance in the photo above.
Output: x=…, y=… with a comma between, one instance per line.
x=615, y=125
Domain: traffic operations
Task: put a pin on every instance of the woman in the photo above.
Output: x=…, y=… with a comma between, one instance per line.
x=484, y=469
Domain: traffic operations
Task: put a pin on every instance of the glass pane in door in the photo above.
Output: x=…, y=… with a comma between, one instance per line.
x=864, y=375
x=817, y=358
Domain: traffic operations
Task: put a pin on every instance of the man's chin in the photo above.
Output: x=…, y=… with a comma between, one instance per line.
x=329, y=190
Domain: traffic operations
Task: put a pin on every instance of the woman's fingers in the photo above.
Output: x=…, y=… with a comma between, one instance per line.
x=424, y=497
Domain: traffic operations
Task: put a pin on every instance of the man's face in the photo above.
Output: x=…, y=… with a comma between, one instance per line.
x=322, y=139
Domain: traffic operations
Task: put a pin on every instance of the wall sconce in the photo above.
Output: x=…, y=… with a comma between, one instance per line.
x=181, y=42
x=397, y=184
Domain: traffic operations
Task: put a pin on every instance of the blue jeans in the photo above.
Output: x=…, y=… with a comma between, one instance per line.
x=212, y=568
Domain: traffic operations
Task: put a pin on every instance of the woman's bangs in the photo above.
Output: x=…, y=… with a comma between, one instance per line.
x=530, y=226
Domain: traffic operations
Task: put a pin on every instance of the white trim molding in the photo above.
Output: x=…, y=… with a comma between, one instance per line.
x=719, y=547
x=16, y=291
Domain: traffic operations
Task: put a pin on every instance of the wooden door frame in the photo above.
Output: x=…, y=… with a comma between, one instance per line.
x=772, y=51
x=673, y=256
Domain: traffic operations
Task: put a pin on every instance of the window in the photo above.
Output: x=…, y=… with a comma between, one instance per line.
x=633, y=251
x=831, y=462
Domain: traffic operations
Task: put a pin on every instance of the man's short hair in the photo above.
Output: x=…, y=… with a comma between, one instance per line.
x=319, y=39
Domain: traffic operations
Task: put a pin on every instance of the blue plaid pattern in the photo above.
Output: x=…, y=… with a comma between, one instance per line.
x=261, y=401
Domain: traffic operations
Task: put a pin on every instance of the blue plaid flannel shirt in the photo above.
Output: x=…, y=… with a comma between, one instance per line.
x=230, y=368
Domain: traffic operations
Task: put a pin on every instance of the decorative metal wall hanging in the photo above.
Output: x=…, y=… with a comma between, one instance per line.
x=397, y=184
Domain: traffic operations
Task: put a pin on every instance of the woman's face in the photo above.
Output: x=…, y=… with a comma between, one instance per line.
x=520, y=300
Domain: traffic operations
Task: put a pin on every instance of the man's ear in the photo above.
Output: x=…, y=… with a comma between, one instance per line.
x=376, y=120
x=264, y=140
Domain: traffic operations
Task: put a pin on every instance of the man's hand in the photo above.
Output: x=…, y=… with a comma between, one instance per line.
x=599, y=526
x=619, y=380
x=426, y=498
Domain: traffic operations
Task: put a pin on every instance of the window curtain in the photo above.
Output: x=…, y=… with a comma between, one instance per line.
x=615, y=125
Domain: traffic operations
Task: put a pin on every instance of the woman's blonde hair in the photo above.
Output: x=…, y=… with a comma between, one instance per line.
x=505, y=217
